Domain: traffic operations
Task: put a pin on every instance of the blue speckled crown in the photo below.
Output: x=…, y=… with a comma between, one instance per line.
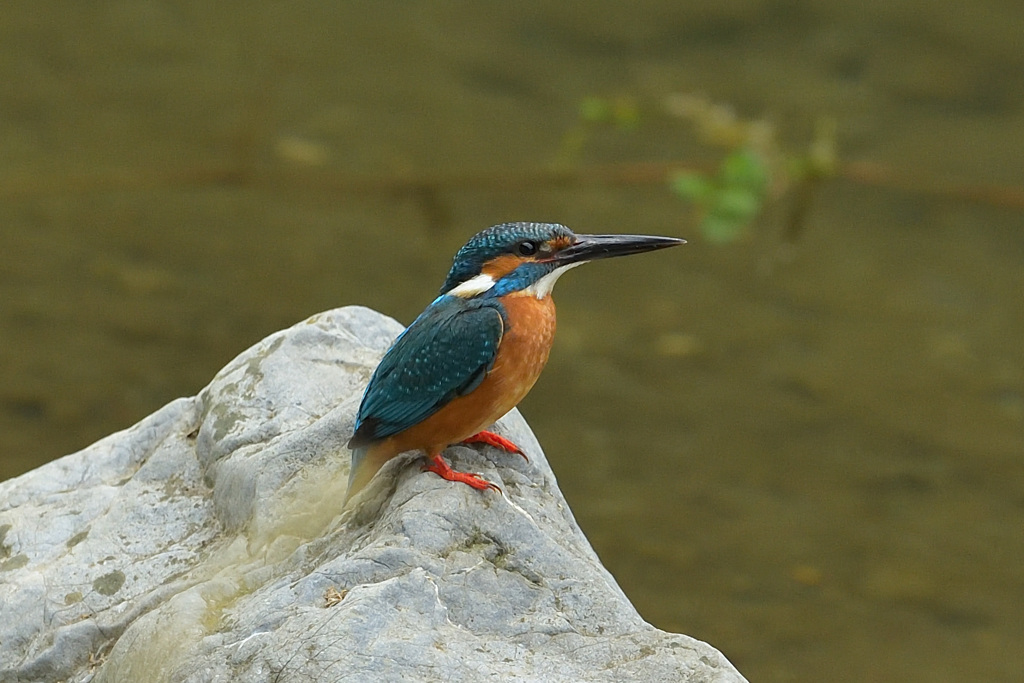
x=495, y=241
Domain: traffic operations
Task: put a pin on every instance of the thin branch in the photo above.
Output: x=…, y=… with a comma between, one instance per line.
x=613, y=175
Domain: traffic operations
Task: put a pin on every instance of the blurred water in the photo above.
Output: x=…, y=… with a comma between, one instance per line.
x=815, y=465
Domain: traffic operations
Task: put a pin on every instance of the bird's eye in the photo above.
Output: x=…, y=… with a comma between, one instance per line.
x=527, y=248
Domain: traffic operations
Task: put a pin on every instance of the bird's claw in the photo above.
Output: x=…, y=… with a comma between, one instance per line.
x=500, y=442
x=438, y=466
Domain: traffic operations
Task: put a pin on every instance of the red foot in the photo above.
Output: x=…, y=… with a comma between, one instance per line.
x=492, y=439
x=438, y=466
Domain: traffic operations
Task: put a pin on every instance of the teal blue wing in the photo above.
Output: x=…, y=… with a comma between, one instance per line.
x=444, y=354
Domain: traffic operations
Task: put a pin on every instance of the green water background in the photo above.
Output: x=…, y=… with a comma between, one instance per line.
x=817, y=465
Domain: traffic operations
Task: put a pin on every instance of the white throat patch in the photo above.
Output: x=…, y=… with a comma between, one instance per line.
x=473, y=286
x=542, y=287
x=483, y=282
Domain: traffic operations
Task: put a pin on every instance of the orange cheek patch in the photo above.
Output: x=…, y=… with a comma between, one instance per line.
x=502, y=266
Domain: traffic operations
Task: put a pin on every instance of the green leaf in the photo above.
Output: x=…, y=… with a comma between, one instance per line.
x=744, y=169
x=595, y=110
x=693, y=186
x=738, y=204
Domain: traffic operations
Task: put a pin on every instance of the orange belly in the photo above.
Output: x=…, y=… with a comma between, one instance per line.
x=522, y=354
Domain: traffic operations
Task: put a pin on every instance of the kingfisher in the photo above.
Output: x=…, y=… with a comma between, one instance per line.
x=476, y=350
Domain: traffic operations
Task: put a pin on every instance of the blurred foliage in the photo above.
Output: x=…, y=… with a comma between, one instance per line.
x=620, y=113
x=751, y=171
x=728, y=200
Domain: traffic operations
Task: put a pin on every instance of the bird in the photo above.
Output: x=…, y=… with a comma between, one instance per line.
x=476, y=350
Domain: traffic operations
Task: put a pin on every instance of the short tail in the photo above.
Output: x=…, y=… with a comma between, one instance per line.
x=366, y=460
x=358, y=456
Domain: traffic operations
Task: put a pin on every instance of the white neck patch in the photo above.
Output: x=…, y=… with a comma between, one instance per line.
x=473, y=286
x=542, y=287
x=483, y=282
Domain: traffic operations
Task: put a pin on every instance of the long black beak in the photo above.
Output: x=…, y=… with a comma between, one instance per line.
x=593, y=247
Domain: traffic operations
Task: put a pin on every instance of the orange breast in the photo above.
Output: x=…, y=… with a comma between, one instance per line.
x=525, y=344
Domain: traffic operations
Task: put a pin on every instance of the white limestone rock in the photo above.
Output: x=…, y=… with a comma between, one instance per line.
x=208, y=543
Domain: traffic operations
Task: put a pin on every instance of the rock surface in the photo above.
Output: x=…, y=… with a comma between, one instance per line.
x=208, y=543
